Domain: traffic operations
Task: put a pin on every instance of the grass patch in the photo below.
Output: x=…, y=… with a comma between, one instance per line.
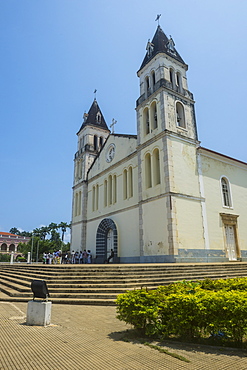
x=163, y=350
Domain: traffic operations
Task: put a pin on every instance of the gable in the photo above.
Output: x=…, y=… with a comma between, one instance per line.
x=117, y=149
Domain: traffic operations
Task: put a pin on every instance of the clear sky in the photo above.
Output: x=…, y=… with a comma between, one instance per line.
x=54, y=53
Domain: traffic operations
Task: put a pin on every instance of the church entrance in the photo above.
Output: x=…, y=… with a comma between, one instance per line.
x=231, y=239
x=106, y=239
x=110, y=242
x=231, y=242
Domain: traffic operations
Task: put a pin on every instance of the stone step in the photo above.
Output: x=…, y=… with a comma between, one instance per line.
x=100, y=284
x=99, y=276
x=24, y=285
x=116, y=269
x=127, y=280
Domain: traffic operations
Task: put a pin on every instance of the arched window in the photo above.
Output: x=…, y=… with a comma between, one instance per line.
x=178, y=81
x=114, y=196
x=4, y=247
x=226, y=195
x=125, y=184
x=95, y=142
x=156, y=166
x=146, y=123
x=97, y=197
x=76, y=205
x=147, y=86
x=180, y=117
x=110, y=190
x=130, y=182
x=93, y=199
x=98, y=118
x=172, y=77
x=105, y=193
x=77, y=170
x=81, y=142
x=101, y=141
x=153, y=80
x=148, y=171
x=153, y=115
x=79, y=203
x=12, y=248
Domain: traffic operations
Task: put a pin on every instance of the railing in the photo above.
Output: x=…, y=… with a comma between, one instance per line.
x=167, y=84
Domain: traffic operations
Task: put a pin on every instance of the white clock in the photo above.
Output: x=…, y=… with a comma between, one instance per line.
x=110, y=152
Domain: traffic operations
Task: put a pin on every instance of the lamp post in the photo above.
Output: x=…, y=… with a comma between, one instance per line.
x=31, y=249
x=37, y=254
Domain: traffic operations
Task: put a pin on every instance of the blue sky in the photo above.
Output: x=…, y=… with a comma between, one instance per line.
x=54, y=53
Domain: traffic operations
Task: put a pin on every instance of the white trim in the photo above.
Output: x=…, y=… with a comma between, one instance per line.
x=228, y=160
x=203, y=204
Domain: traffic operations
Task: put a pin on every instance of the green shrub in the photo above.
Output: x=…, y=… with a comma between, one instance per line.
x=20, y=259
x=4, y=257
x=139, y=308
x=188, y=310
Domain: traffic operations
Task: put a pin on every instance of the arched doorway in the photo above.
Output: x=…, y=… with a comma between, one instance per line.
x=106, y=239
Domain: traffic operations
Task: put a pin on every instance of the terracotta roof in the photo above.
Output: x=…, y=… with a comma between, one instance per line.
x=7, y=234
x=160, y=45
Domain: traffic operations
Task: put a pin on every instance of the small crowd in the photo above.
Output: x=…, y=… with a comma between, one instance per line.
x=59, y=257
x=80, y=257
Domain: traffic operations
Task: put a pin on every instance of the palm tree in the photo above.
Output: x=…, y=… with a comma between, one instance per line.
x=37, y=232
x=44, y=230
x=53, y=226
x=63, y=226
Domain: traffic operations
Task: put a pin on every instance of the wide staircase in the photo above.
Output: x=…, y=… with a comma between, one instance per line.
x=100, y=284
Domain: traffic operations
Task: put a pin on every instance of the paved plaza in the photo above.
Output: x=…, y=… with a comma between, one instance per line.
x=90, y=337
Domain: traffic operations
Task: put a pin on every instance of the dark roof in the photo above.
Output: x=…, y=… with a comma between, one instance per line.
x=94, y=117
x=161, y=45
x=129, y=136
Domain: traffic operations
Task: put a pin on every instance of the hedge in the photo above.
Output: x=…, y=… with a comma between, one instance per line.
x=188, y=309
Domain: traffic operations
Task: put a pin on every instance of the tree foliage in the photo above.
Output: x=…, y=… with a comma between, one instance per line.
x=40, y=243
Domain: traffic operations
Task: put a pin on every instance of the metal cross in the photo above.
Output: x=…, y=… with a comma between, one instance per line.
x=157, y=18
x=95, y=94
x=112, y=125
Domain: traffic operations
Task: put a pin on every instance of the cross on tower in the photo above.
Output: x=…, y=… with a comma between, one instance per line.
x=112, y=125
x=157, y=18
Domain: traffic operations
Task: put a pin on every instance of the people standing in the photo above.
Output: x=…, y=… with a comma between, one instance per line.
x=111, y=256
x=73, y=257
x=89, y=257
x=84, y=256
x=80, y=257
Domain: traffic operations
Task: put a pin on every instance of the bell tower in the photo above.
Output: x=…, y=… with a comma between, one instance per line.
x=91, y=137
x=167, y=143
x=165, y=103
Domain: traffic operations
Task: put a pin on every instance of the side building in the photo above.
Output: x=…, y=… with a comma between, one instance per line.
x=157, y=196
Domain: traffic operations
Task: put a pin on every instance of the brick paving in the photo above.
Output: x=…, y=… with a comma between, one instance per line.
x=90, y=337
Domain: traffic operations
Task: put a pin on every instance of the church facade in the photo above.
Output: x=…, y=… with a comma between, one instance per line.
x=157, y=196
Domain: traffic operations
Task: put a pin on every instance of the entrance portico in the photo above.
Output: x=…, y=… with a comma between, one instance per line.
x=106, y=239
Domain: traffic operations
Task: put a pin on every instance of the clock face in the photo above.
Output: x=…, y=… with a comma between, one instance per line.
x=110, y=153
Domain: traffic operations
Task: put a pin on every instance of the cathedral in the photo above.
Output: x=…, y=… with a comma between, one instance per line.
x=157, y=196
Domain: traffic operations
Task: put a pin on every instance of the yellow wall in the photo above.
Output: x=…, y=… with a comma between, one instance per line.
x=155, y=233
x=214, y=167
